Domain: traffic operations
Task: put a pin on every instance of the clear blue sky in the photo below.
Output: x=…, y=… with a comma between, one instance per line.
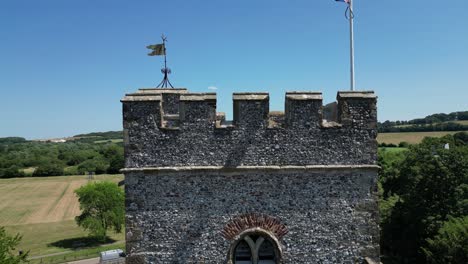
x=64, y=65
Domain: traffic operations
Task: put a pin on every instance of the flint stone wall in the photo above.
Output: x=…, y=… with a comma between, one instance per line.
x=194, y=137
x=189, y=172
x=177, y=217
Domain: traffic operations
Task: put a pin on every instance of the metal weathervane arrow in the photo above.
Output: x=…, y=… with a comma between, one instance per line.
x=350, y=16
x=160, y=50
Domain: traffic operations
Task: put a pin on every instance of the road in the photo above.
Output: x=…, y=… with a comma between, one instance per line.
x=85, y=261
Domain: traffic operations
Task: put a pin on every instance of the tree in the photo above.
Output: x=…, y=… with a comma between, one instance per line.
x=11, y=172
x=102, y=207
x=97, y=165
x=430, y=184
x=49, y=169
x=461, y=138
x=450, y=245
x=116, y=163
x=7, y=247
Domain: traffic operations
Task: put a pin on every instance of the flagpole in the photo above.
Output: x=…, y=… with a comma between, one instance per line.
x=351, y=40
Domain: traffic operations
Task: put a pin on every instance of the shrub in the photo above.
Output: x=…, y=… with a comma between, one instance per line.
x=11, y=172
x=97, y=165
x=49, y=169
x=403, y=144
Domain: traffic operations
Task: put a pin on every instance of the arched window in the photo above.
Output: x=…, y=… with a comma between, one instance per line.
x=255, y=249
x=243, y=254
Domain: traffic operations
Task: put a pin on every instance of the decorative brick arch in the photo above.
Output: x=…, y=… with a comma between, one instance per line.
x=263, y=227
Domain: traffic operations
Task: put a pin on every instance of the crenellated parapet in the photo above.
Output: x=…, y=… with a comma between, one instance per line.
x=172, y=127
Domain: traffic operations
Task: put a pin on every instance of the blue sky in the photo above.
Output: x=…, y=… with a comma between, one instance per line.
x=64, y=65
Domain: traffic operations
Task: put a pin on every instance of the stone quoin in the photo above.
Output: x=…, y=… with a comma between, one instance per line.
x=266, y=187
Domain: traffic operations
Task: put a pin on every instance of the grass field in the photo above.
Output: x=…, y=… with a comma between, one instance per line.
x=393, y=149
x=410, y=137
x=43, y=209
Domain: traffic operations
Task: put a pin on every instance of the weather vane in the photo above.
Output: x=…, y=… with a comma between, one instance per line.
x=159, y=50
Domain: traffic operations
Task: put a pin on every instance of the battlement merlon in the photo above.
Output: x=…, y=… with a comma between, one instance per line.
x=251, y=109
x=356, y=109
x=303, y=109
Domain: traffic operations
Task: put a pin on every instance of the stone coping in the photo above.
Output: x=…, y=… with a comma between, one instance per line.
x=163, y=90
x=129, y=98
x=198, y=96
x=356, y=94
x=250, y=96
x=156, y=95
x=297, y=95
x=252, y=168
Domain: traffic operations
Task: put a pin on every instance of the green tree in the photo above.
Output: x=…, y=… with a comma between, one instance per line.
x=49, y=169
x=11, y=172
x=98, y=165
x=461, y=138
x=116, y=163
x=450, y=245
x=428, y=186
x=8, y=246
x=102, y=207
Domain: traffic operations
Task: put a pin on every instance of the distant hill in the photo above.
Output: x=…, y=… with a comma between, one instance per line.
x=102, y=135
x=456, y=121
x=12, y=140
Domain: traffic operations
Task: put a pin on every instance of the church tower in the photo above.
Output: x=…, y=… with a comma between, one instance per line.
x=267, y=187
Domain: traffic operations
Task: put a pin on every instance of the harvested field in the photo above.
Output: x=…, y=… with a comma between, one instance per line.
x=41, y=199
x=410, y=137
x=43, y=209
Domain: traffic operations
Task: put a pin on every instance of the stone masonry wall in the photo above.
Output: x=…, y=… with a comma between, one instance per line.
x=189, y=172
x=303, y=139
x=177, y=217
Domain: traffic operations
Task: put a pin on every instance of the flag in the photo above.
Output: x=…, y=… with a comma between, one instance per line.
x=345, y=1
x=157, y=49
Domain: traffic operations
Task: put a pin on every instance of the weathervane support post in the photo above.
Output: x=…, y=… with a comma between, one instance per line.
x=351, y=40
x=165, y=54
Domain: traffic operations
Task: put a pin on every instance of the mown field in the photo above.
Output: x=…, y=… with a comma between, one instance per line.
x=43, y=209
x=410, y=137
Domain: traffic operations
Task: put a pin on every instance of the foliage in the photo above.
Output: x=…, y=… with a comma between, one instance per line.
x=11, y=172
x=11, y=140
x=403, y=144
x=450, y=245
x=102, y=207
x=461, y=138
x=421, y=189
x=49, y=169
x=448, y=126
x=48, y=159
x=116, y=163
x=103, y=135
x=96, y=164
x=7, y=249
x=435, y=122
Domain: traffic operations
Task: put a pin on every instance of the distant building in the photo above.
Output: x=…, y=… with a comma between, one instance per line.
x=264, y=188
